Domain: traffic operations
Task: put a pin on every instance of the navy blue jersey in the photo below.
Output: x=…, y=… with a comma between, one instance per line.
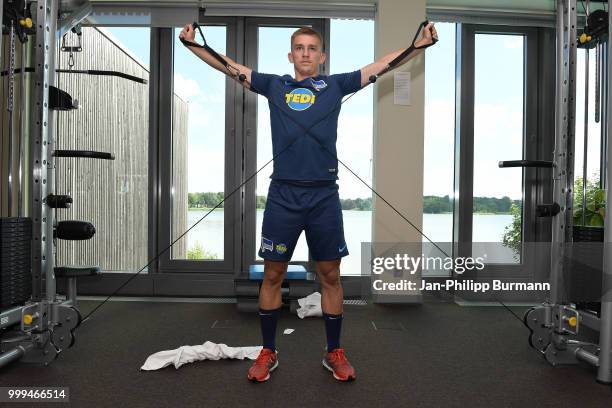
x=307, y=102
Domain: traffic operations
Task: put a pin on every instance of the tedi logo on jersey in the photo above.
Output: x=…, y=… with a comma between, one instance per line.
x=300, y=99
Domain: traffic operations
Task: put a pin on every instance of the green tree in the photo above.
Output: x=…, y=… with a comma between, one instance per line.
x=347, y=204
x=512, y=233
x=199, y=200
x=198, y=252
x=504, y=205
x=594, y=213
x=261, y=202
x=220, y=197
x=437, y=205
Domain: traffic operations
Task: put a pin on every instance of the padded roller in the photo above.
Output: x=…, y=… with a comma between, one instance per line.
x=74, y=230
x=526, y=163
x=547, y=210
x=76, y=271
x=59, y=201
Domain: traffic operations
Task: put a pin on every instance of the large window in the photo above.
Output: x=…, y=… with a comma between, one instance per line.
x=352, y=47
x=198, y=152
x=498, y=135
x=439, y=140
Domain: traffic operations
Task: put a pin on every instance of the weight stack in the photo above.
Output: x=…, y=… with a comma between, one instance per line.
x=15, y=261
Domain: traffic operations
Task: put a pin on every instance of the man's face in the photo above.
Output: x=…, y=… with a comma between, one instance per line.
x=306, y=54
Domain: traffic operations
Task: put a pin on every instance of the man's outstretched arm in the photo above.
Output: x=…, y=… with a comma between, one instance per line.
x=429, y=32
x=188, y=33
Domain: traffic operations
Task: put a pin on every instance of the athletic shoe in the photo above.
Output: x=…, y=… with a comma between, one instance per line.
x=265, y=363
x=336, y=362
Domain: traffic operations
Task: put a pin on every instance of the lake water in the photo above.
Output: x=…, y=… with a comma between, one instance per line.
x=357, y=229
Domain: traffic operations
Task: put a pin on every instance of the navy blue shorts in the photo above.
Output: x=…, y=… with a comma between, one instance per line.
x=291, y=208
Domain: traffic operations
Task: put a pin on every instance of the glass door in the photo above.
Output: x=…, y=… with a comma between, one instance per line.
x=198, y=170
x=499, y=120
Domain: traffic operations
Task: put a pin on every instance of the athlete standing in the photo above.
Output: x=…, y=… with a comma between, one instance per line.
x=303, y=193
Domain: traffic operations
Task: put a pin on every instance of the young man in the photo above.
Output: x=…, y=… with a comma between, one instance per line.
x=303, y=194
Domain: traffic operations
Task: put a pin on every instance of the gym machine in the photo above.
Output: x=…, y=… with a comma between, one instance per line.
x=554, y=325
x=36, y=325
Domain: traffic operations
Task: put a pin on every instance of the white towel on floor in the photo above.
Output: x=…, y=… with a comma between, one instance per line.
x=310, y=306
x=206, y=351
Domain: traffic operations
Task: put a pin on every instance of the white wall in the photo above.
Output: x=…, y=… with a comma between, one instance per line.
x=398, y=129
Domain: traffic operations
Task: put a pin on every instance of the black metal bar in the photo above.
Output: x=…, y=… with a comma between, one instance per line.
x=106, y=73
x=84, y=153
x=87, y=72
x=526, y=163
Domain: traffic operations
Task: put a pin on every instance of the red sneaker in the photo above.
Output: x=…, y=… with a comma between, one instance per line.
x=266, y=362
x=336, y=362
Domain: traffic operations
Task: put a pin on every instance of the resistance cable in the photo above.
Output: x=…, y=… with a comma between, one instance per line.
x=235, y=73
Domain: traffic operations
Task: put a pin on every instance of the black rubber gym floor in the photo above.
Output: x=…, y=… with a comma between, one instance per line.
x=434, y=355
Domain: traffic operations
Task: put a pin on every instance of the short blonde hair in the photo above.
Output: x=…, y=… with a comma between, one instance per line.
x=306, y=31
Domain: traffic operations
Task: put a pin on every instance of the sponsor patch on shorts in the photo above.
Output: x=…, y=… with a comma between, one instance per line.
x=281, y=248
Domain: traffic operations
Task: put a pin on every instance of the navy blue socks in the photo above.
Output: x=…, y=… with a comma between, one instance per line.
x=268, y=320
x=333, y=325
